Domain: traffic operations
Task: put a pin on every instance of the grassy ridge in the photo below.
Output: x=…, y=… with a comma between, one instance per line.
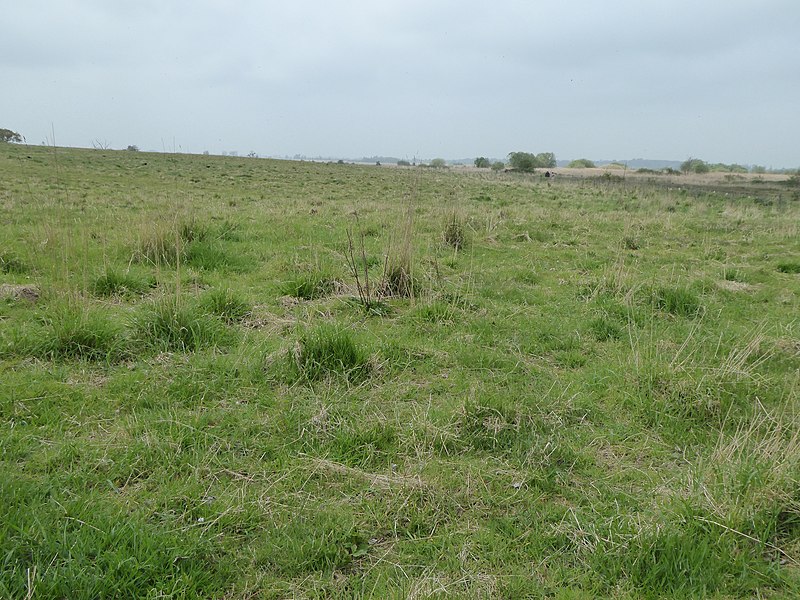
x=583, y=389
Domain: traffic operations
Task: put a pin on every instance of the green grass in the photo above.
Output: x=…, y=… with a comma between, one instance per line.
x=328, y=350
x=309, y=285
x=168, y=324
x=119, y=283
x=593, y=394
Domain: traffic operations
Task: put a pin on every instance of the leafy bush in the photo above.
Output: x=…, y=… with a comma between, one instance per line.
x=695, y=165
x=582, y=163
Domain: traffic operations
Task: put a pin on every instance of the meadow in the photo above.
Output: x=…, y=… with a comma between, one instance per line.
x=246, y=378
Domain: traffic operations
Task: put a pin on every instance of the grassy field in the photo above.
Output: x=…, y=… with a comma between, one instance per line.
x=245, y=378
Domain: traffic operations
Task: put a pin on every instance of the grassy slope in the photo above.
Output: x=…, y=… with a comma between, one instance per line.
x=596, y=396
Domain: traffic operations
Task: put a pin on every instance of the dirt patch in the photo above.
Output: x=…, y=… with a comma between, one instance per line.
x=29, y=293
x=735, y=286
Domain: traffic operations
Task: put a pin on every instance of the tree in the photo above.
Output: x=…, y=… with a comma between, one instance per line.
x=133, y=148
x=546, y=160
x=581, y=163
x=498, y=166
x=527, y=162
x=695, y=165
x=482, y=162
x=522, y=161
x=6, y=135
x=438, y=163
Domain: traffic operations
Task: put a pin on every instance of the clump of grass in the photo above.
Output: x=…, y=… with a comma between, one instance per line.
x=398, y=277
x=398, y=281
x=165, y=245
x=630, y=243
x=789, y=267
x=454, y=233
x=438, y=311
x=11, y=263
x=677, y=301
x=172, y=325
x=117, y=283
x=734, y=275
x=226, y=304
x=192, y=230
x=160, y=246
x=207, y=256
x=330, y=350
x=71, y=332
x=309, y=286
x=605, y=329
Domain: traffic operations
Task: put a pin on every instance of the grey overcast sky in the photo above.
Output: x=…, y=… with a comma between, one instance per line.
x=608, y=79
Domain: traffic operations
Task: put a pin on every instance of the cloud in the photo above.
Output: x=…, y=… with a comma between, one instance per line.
x=453, y=77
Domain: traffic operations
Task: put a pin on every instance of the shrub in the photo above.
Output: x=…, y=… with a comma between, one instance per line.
x=582, y=163
x=695, y=165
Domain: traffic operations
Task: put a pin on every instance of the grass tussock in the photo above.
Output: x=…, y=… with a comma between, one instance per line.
x=171, y=324
x=329, y=351
x=454, y=233
x=71, y=332
x=398, y=276
x=120, y=283
x=791, y=267
x=677, y=301
x=309, y=285
x=11, y=263
x=226, y=304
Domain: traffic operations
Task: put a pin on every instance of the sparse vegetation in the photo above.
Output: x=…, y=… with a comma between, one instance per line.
x=595, y=396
